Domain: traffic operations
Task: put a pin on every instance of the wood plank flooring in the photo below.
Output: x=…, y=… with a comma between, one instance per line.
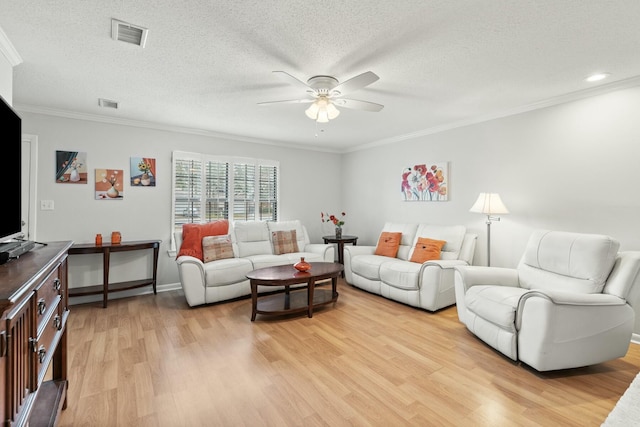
x=368, y=361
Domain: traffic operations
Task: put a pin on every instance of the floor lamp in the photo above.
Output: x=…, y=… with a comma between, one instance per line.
x=489, y=204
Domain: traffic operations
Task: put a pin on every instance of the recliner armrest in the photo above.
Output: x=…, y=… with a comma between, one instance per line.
x=573, y=298
x=471, y=275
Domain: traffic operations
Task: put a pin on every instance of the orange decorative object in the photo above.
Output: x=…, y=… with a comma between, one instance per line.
x=98, y=239
x=116, y=238
x=302, y=265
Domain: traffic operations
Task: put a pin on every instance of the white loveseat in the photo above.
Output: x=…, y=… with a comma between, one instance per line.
x=564, y=306
x=225, y=279
x=428, y=285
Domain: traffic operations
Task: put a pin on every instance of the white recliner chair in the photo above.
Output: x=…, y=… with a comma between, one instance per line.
x=564, y=306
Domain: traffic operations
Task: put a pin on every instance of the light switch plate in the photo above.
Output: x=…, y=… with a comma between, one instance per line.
x=46, y=205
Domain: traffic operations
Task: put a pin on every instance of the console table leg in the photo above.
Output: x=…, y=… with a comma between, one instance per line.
x=105, y=277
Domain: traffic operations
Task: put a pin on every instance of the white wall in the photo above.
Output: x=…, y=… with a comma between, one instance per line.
x=308, y=183
x=6, y=78
x=573, y=167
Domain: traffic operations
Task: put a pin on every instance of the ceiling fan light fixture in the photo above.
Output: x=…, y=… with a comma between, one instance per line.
x=323, y=116
x=312, y=111
x=332, y=111
x=322, y=110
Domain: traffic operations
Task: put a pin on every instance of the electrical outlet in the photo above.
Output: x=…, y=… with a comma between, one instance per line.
x=46, y=205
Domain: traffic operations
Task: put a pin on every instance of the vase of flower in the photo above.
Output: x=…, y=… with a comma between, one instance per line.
x=74, y=176
x=145, y=179
x=302, y=265
x=113, y=192
x=337, y=222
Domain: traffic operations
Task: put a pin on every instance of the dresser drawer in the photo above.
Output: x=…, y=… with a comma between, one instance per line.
x=47, y=295
x=48, y=337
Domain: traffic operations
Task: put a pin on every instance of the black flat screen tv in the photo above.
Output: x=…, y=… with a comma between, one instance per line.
x=11, y=146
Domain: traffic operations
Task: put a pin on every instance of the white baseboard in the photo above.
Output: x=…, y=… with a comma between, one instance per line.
x=635, y=338
x=125, y=294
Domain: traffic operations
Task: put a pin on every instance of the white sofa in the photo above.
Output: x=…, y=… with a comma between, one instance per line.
x=429, y=285
x=564, y=306
x=225, y=279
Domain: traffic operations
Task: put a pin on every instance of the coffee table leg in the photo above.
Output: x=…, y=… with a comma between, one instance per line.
x=310, y=288
x=254, y=300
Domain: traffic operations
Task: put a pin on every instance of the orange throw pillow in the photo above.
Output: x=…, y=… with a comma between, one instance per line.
x=192, y=235
x=388, y=244
x=426, y=250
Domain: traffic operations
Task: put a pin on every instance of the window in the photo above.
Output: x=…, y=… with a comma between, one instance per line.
x=206, y=188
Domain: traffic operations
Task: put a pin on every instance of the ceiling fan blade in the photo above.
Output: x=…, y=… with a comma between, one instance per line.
x=288, y=101
x=356, y=83
x=286, y=77
x=358, y=105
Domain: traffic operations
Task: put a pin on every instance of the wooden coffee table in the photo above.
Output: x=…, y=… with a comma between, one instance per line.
x=296, y=300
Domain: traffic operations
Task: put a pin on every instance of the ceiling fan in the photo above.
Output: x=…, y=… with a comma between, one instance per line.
x=324, y=93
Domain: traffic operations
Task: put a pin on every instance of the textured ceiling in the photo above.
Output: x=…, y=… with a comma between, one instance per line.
x=207, y=64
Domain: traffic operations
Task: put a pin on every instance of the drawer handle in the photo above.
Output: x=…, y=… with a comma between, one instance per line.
x=57, y=322
x=56, y=284
x=42, y=306
x=42, y=352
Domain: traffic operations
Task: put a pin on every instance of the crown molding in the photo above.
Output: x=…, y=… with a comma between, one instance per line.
x=10, y=52
x=157, y=126
x=557, y=100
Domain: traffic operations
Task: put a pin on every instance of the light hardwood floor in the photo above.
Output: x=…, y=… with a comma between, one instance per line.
x=368, y=361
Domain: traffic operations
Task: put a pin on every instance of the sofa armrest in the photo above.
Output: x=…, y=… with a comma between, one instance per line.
x=444, y=263
x=327, y=251
x=191, y=272
x=359, y=250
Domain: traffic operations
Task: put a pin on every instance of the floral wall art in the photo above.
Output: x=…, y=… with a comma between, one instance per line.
x=143, y=172
x=71, y=167
x=425, y=182
x=109, y=184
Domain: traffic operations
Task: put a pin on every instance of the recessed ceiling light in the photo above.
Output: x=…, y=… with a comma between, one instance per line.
x=597, y=77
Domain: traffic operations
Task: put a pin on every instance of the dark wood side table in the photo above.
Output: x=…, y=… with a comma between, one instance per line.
x=340, y=241
x=105, y=249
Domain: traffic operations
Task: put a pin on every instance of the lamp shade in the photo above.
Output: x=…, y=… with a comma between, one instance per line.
x=489, y=204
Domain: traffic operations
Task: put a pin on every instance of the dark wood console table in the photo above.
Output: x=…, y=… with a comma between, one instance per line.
x=106, y=249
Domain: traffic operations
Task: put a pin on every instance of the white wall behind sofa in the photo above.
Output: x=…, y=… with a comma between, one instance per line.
x=573, y=167
x=145, y=213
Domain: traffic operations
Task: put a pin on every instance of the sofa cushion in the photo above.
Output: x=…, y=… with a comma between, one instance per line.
x=452, y=234
x=567, y=261
x=426, y=250
x=216, y=247
x=406, y=240
x=252, y=238
x=401, y=274
x=192, y=235
x=284, y=242
x=227, y=271
x=388, y=244
x=368, y=266
x=301, y=236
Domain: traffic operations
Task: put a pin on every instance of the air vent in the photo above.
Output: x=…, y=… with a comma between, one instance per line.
x=105, y=103
x=128, y=33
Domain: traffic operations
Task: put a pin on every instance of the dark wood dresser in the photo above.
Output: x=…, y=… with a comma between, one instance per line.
x=33, y=340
